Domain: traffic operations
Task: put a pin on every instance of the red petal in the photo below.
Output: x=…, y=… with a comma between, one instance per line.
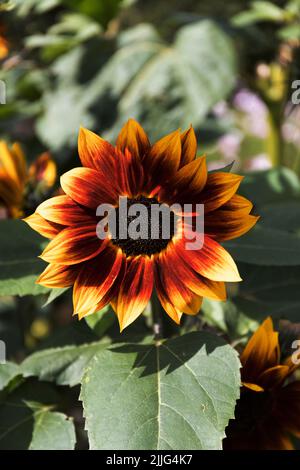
x=44, y=227
x=134, y=138
x=181, y=296
x=74, y=245
x=86, y=187
x=189, y=146
x=220, y=187
x=135, y=290
x=96, y=278
x=163, y=160
x=63, y=210
x=96, y=153
x=163, y=297
x=56, y=275
x=211, y=261
x=191, y=279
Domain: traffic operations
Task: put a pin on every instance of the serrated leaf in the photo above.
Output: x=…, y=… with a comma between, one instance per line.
x=64, y=366
x=19, y=263
x=177, y=394
x=167, y=86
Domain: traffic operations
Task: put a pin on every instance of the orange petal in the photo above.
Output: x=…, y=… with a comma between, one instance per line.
x=74, y=245
x=273, y=377
x=164, y=299
x=96, y=278
x=135, y=290
x=63, y=210
x=180, y=295
x=85, y=186
x=192, y=280
x=220, y=187
x=253, y=387
x=4, y=48
x=134, y=138
x=238, y=204
x=189, y=146
x=225, y=225
x=261, y=352
x=130, y=173
x=44, y=227
x=163, y=159
x=12, y=161
x=10, y=193
x=96, y=153
x=211, y=261
x=43, y=170
x=190, y=179
x=56, y=275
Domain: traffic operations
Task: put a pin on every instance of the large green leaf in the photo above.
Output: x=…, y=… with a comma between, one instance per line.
x=176, y=394
x=19, y=262
x=167, y=86
x=269, y=291
x=63, y=366
x=267, y=247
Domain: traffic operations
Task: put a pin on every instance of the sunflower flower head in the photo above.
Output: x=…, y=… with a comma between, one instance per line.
x=268, y=412
x=22, y=188
x=121, y=269
x=4, y=45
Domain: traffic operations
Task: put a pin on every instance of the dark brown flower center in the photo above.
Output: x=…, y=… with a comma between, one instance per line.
x=152, y=228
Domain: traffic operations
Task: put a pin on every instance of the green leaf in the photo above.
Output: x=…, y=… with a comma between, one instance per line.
x=269, y=290
x=271, y=186
x=19, y=413
x=8, y=371
x=260, y=11
x=176, y=394
x=54, y=294
x=224, y=169
x=52, y=431
x=101, y=321
x=281, y=216
x=167, y=86
x=64, y=366
x=266, y=246
x=19, y=262
x=228, y=318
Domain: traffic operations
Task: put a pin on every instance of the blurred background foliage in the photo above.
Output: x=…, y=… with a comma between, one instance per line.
x=226, y=67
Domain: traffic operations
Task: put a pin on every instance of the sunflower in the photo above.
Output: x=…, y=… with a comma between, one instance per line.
x=268, y=412
x=22, y=188
x=4, y=46
x=123, y=272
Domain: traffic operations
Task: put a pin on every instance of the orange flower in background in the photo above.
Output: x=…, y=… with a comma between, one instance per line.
x=124, y=272
x=20, y=186
x=268, y=412
x=4, y=46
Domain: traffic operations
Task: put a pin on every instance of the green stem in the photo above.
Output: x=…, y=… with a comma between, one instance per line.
x=157, y=312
